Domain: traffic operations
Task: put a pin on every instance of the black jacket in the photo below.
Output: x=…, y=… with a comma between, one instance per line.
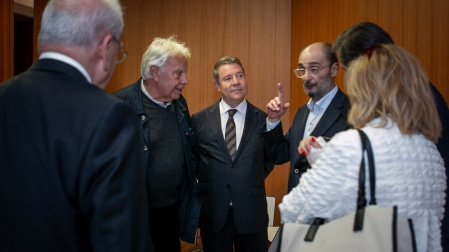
x=285, y=148
x=70, y=171
x=188, y=212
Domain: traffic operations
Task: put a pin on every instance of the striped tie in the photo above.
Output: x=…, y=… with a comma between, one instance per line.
x=230, y=133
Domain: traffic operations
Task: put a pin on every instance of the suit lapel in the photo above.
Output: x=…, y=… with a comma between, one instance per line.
x=214, y=120
x=297, y=133
x=249, y=128
x=331, y=114
x=326, y=121
x=302, y=117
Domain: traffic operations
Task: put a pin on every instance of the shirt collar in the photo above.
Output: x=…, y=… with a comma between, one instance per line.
x=323, y=103
x=66, y=59
x=162, y=104
x=224, y=107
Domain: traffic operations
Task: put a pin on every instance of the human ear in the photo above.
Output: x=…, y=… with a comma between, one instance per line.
x=217, y=85
x=154, y=72
x=103, y=62
x=107, y=53
x=334, y=69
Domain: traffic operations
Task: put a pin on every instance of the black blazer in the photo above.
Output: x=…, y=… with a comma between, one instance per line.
x=443, y=148
x=285, y=148
x=70, y=169
x=222, y=180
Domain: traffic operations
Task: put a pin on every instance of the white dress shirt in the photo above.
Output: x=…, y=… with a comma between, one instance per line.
x=317, y=110
x=239, y=119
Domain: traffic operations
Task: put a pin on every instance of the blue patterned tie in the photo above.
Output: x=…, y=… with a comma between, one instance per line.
x=230, y=133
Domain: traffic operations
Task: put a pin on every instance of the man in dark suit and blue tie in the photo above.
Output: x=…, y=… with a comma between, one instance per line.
x=232, y=166
x=71, y=176
x=324, y=114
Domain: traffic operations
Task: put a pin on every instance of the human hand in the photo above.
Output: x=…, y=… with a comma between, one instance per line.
x=307, y=143
x=276, y=107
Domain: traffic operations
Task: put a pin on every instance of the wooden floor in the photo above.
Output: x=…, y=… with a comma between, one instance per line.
x=188, y=247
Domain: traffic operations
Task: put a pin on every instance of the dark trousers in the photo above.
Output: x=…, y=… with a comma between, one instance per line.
x=164, y=229
x=228, y=238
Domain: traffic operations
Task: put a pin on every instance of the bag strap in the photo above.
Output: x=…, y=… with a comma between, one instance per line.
x=372, y=169
x=361, y=195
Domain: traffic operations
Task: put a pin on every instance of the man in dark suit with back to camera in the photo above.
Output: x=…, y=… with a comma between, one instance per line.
x=324, y=115
x=232, y=166
x=70, y=172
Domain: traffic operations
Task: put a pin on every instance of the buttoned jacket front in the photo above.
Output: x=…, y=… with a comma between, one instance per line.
x=223, y=180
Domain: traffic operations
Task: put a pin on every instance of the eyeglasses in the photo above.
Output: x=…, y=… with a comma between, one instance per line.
x=121, y=54
x=228, y=79
x=313, y=71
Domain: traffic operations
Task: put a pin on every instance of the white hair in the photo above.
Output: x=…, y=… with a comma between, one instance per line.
x=79, y=22
x=159, y=51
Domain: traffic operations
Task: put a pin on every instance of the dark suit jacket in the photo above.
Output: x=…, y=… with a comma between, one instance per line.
x=443, y=148
x=222, y=180
x=285, y=148
x=70, y=171
x=189, y=205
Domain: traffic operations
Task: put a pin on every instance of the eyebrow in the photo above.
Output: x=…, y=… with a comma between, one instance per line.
x=240, y=72
x=310, y=64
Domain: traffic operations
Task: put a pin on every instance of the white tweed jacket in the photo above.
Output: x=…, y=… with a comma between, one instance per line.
x=409, y=173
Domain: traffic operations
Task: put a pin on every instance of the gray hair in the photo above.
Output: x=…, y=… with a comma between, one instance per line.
x=159, y=51
x=79, y=22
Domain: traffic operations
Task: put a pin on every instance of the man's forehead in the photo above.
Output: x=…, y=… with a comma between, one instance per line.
x=311, y=58
x=230, y=67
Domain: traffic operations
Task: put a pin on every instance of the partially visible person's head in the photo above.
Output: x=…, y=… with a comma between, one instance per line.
x=230, y=80
x=388, y=82
x=164, y=65
x=80, y=22
x=317, y=67
x=86, y=30
x=352, y=42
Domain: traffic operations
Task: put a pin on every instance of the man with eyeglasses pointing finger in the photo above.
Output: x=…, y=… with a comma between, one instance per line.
x=324, y=114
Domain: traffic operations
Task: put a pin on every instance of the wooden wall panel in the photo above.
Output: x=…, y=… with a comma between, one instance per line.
x=420, y=27
x=255, y=31
x=244, y=29
x=267, y=35
x=6, y=39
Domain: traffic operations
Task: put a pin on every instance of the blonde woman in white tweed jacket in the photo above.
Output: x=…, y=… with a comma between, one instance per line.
x=392, y=103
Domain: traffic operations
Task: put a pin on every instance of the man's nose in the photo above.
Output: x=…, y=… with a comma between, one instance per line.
x=184, y=79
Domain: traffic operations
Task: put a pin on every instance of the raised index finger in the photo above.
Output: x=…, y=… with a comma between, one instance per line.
x=280, y=93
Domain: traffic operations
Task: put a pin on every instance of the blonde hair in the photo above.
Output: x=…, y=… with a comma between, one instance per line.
x=388, y=82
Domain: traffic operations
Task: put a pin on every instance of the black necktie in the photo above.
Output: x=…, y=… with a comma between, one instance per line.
x=230, y=133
